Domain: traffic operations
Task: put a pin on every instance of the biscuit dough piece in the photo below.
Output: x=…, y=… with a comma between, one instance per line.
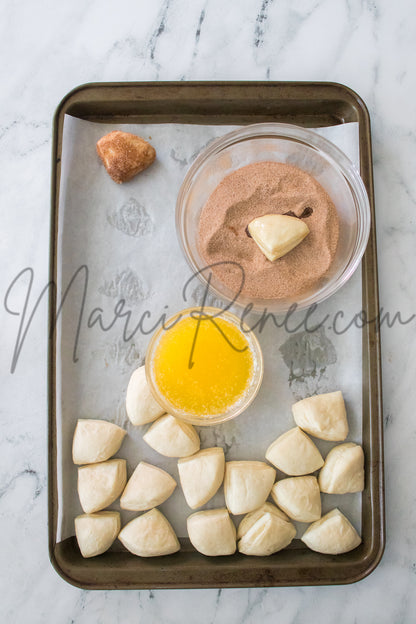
x=201, y=475
x=100, y=484
x=247, y=485
x=343, y=470
x=322, y=416
x=96, y=532
x=299, y=497
x=252, y=517
x=95, y=441
x=148, y=487
x=172, y=437
x=294, y=453
x=277, y=234
x=141, y=406
x=212, y=532
x=149, y=535
x=264, y=531
x=124, y=155
x=333, y=534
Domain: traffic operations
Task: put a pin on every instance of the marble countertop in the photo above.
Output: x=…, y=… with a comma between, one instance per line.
x=47, y=48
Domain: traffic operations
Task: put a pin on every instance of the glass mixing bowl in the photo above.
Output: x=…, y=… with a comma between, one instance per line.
x=287, y=144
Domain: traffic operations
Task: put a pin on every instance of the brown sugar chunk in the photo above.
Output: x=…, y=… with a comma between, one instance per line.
x=124, y=155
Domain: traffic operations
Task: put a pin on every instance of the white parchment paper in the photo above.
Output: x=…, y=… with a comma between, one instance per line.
x=119, y=242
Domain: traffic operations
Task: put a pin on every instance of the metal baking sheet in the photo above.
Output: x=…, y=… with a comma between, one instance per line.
x=122, y=240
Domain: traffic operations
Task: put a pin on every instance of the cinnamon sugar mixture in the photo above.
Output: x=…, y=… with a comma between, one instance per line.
x=253, y=191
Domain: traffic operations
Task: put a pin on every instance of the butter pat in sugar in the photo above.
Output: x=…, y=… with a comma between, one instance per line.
x=276, y=234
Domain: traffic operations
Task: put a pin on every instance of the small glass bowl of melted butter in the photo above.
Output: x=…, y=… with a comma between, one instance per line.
x=206, y=367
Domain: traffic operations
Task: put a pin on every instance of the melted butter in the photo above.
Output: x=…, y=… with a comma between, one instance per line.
x=220, y=374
